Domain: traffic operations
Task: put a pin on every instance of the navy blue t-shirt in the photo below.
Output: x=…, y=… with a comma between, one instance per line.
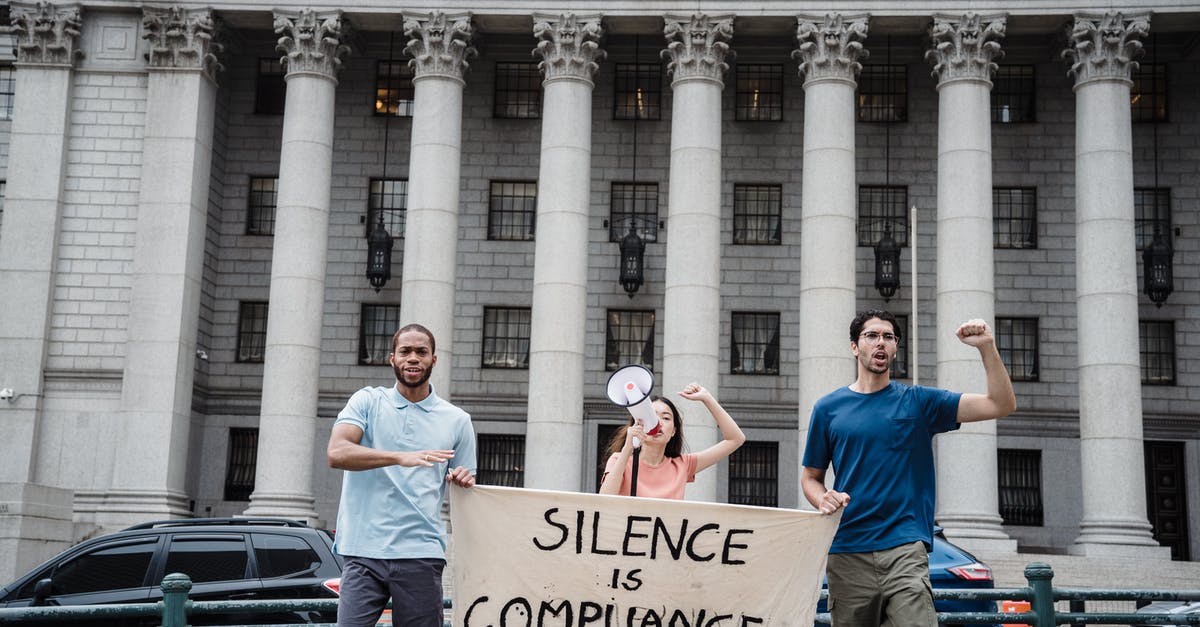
x=881, y=447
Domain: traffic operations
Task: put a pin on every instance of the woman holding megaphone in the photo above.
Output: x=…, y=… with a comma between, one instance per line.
x=663, y=468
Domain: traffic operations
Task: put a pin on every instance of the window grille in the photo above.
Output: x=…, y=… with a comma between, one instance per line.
x=252, y=331
x=518, y=91
x=638, y=91
x=391, y=197
x=242, y=463
x=1157, y=344
x=1014, y=95
x=900, y=363
x=754, y=474
x=501, y=460
x=260, y=216
x=506, y=337
x=883, y=93
x=1014, y=217
x=630, y=339
x=1017, y=342
x=1151, y=208
x=757, y=214
x=394, y=89
x=8, y=91
x=379, y=323
x=635, y=203
x=270, y=88
x=512, y=210
x=1148, y=97
x=759, y=93
x=1020, y=477
x=880, y=205
x=755, y=343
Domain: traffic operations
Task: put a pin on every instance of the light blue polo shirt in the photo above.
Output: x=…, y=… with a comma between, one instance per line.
x=393, y=512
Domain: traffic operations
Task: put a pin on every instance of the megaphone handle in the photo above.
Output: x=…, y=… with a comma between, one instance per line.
x=637, y=452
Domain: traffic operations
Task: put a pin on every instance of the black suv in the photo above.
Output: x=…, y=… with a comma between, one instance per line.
x=226, y=559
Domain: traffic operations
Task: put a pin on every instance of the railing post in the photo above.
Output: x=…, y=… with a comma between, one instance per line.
x=1041, y=580
x=175, y=587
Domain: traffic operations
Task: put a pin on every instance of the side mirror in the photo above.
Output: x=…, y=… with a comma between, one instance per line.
x=42, y=589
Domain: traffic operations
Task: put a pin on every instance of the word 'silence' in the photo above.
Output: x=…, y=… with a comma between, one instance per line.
x=643, y=536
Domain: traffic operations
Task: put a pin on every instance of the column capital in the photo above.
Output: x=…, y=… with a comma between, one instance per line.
x=439, y=44
x=182, y=39
x=46, y=34
x=830, y=46
x=963, y=47
x=1103, y=46
x=696, y=46
x=569, y=45
x=311, y=42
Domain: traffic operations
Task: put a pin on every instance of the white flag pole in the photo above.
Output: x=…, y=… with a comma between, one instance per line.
x=912, y=242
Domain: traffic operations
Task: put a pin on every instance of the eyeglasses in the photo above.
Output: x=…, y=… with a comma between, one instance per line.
x=872, y=336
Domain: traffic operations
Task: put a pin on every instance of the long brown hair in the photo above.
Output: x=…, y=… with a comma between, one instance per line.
x=674, y=445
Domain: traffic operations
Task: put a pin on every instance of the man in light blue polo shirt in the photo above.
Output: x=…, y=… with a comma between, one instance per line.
x=399, y=446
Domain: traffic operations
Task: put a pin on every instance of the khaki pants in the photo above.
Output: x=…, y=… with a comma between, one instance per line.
x=888, y=588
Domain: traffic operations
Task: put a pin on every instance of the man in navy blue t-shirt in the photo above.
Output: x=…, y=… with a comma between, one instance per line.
x=878, y=434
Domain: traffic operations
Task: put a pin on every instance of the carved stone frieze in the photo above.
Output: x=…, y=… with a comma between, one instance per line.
x=1104, y=47
x=696, y=46
x=831, y=47
x=182, y=39
x=569, y=45
x=439, y=44
x=965, y=47
x=46, y=34
x=312, y=42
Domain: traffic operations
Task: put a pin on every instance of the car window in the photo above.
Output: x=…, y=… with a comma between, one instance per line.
x=280, y=556
x=218, y=557
x=110, y=567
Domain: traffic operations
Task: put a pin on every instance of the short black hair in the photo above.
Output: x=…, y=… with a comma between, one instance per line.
x=419, y=329
x=856, y=325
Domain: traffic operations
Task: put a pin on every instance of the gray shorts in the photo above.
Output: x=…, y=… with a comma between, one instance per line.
x=413, y=585
x=888, y=587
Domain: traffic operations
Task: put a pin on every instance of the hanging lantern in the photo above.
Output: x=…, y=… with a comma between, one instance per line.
x=887, y=264
x=379, y=255
x=1159, y=281
x=633, y=250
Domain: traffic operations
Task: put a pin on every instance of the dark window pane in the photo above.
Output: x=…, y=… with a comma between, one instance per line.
x=638, y=91
x=8, y=89
x=391, y=197
x=754, y=474
x=759, y=92
x=1151, y=210
x=755, y=343
x=1148, y=98
x=1157, y=344
x=209, y=558
x=1014, y=217
x=630, y=339
x=1013, y=94
x=883, y=93
x=379, y=324
x=636, y=205
x=252, y=331
x=900, y=363
x=1017, y=342
x=110, y=568
x=518, y=90
x=1020, y=478
x=260, y=216
x=280, y=556
x=270, y=87
x=501, y=460
x=506, y=337
x=242, y=464
x=881, y=207
x=512, y=209
x=393, y=89
x=757, y=214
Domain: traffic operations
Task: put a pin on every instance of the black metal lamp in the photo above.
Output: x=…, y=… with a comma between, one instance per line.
x=887, y=264
x=633, y=249
x=379, y=254
x=1159, y=281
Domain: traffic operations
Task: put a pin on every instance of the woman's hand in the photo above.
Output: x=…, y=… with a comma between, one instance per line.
x=636, y=430
x=696, y=392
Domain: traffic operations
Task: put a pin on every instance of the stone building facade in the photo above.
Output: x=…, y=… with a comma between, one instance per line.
x=188, y=195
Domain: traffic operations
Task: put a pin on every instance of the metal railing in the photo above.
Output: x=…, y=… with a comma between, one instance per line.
x=176, y=608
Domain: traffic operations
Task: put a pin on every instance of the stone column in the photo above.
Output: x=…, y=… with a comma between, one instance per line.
x=34, y=518
x=569, y=48
x=1110, y=394
x=829, y=53
x=439, y=45
x=312, y=48
x=962, y=51
x=156, y=394
x=696, y=50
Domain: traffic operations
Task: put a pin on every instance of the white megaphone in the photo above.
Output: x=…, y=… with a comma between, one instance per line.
x=629, y=387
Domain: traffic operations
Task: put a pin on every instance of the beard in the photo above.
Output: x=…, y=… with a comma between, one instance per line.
x=419, y=383
x=868, y=362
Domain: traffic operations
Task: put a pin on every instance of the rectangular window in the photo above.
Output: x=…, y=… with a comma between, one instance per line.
x=379, y=324
x=3, y=193
x=252, y=331
x=1157, y=344
x=757, y=214
x=638, y=91
x=1014, y=217
x=636, y=205
x=1151, y=212
x=630, y=339
x=394, y=89
x=391, y=197
x=506, y=337
x=1014, y=95
x=208, y=557
x=270, y=89
x=900, y=363
x=242, y=464
x=755, y=343
x=1017, y=341
x=883, y=93
x=1148, y=98
x=518, y=91
x=512, y=210
x=754, y=474
x=8, y=90
x=881, y=208
x=1020, y=478
x=501, y=460
x=260, y=215
x=759, y=93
